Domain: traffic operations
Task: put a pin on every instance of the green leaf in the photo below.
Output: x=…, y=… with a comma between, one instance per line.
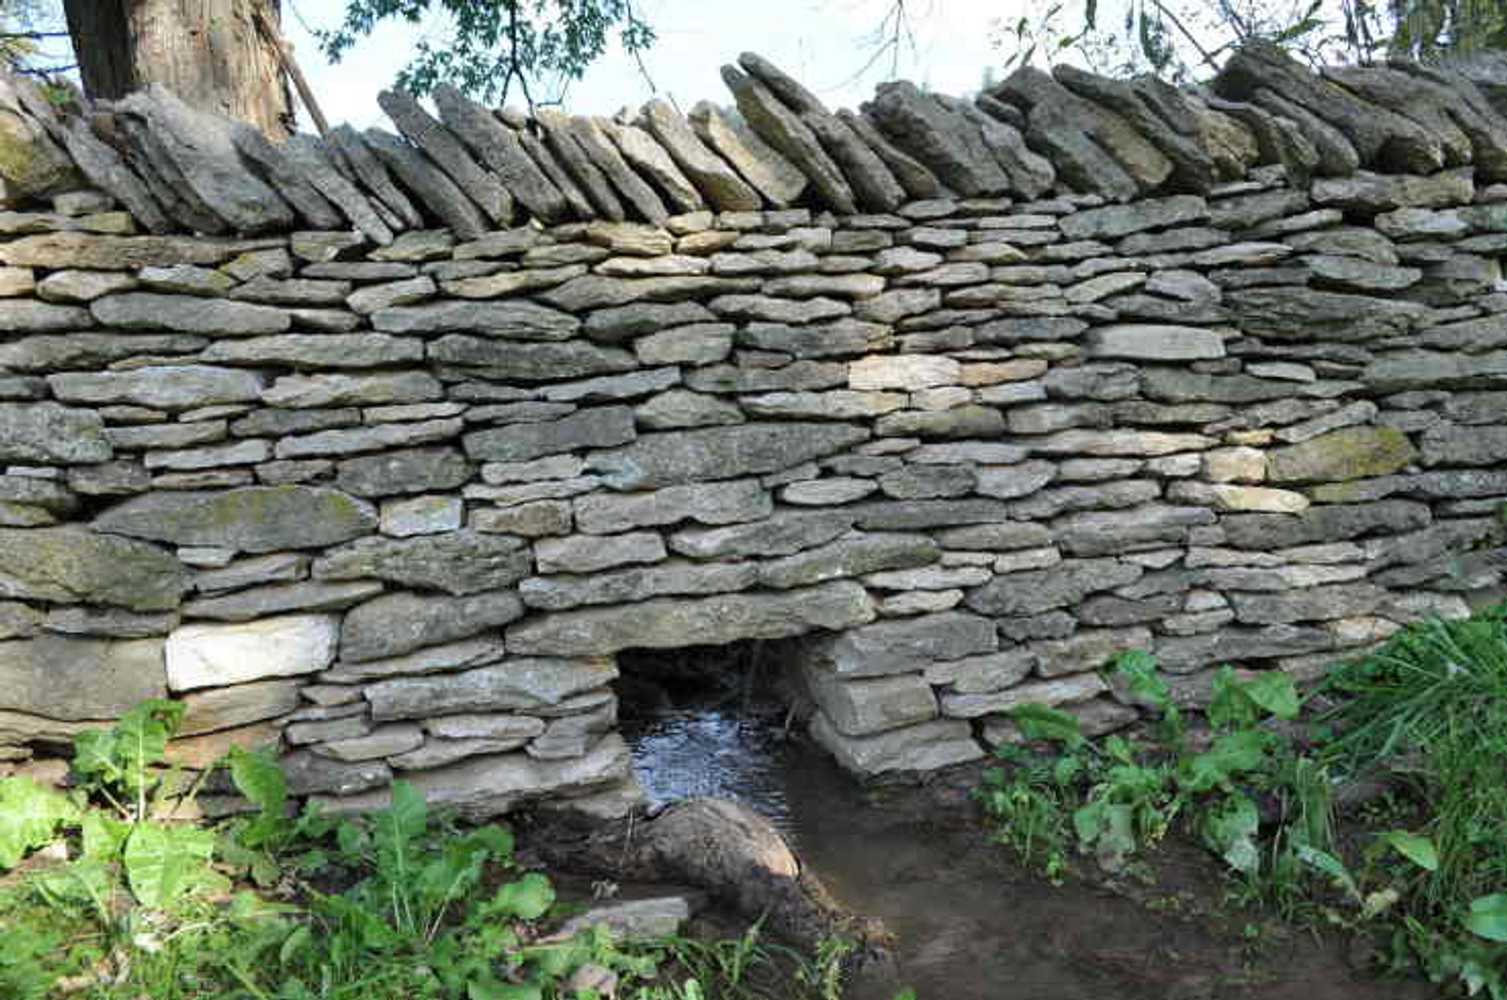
x=1230, y=830
x=529, y=898
x=1139, y=669
x=1041, y=722
x=1275, y=692
x=491, y=989
x=30, y=817
x=120, y=759
x=1328, y=864
x=1488, y=917
x=1417, y=849
x=104, y=836
x=258, y=777
x=1230, y=755
x=163, y=863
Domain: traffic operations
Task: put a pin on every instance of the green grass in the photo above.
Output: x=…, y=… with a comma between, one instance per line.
x=1425, y=872
x=400, y=905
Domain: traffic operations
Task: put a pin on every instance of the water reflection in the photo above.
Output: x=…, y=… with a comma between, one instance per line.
x=680, y=753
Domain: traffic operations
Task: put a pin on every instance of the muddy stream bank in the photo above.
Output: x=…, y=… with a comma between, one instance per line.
x=967, y=923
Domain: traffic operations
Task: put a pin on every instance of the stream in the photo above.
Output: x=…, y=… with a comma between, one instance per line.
x=968, y=924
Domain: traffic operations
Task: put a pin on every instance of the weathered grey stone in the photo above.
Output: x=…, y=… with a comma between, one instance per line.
x=1032, y=592
x=491, y=726
x=372, y=438
x=314, y=159
x=486, y=189
x=904, y=645
x=940, y=137
x=312, y=775
x=481, y=788
x=506, y=360
x=1163, y=115
x=710, y=504
x=428, y=183
x=1052, y=693
x=851, y=555
x=664, y=623
x=1345, y=454
x=783, y=129
x=587, y=554
x=178, y=387
x=1323, y=523
x=456, y=562
x=1312, y=604
x=202, y=148
x=429, y=660
x=200, y=656
x=46, y=433
x=412, y=470
x=278, y=598
x=27, y=316
x=874, y=705
x=497, y=147
x=1090, y=649
x=601, y=427
x=253, y=519
x=531, y=520
x=68, y=565
x=569, y=156
x=1380, y=135
x=764, y=168
x=212, y=457
x=1092, y=148
x=1302, y=314
x=74, y=286
x=782, y=534
x=380, y=742
x=641, y=150
x=1151, y=526
x=1368, y=192
x=1447, y=444
x=717, y=453
x=395, y=624
x=592, y=137
x=1146, y=342
x=187, y=314
x=324, y=350
x=638, y=583
x=71, y=679
x=925, y=747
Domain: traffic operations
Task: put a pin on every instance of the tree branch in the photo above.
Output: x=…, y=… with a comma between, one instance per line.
x=1176, y=23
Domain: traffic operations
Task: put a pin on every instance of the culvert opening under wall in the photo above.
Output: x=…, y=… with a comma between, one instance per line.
x=721, y=721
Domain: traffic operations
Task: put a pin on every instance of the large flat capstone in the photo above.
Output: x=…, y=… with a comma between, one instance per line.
x=668, y=624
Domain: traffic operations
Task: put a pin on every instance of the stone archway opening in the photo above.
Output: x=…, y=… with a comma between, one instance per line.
x=716, y=720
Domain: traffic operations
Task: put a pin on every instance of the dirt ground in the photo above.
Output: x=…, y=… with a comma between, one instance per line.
x=970, y=925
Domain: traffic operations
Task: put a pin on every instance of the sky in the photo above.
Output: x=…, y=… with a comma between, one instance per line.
x=823, y=43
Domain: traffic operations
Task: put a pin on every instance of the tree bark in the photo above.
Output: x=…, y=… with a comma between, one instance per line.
x=208, y=52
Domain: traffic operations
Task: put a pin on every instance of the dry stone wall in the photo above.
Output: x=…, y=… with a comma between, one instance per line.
x=379, y=449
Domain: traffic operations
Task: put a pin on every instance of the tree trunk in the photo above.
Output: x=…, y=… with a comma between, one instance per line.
x=208, y=52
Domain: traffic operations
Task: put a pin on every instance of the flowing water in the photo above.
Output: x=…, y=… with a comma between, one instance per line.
x=968, y=925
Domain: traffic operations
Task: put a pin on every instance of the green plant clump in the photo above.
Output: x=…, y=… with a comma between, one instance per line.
x=401, y=904
x=1426, y=715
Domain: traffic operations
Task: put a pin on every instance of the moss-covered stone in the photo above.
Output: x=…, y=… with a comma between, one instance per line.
x=72, y=565
x=1348, y=453
x=251, y=519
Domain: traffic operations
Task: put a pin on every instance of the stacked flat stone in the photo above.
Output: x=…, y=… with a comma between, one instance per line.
x=392, y=496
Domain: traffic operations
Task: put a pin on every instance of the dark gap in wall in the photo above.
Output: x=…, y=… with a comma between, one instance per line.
x=712, y=720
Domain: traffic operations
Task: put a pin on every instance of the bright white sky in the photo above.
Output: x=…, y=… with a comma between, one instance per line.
x=824, y=43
